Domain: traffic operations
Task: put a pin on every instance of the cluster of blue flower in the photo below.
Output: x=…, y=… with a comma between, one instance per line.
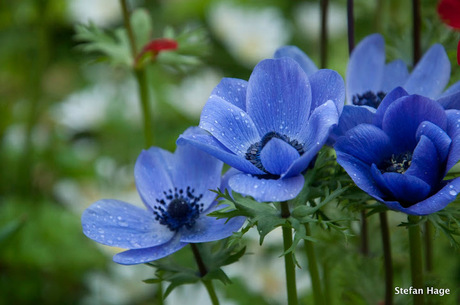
x=397, y=137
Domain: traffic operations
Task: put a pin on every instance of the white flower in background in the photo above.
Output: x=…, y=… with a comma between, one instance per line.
x=307, y=17
x=249, y=34
x=99, y=12
x=192, y=93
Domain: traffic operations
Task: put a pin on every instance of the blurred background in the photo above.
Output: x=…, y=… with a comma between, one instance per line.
x=71, y=130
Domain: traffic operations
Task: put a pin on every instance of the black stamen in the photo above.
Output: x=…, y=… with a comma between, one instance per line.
x=397, y=163
x=368, y=98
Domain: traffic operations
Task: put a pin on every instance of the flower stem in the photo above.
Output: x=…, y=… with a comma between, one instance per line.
x=416, y=30
x=428, y=247
x=351, y=26
x=141, y=78
x=313, y=268
x=387, y=261
x=364, y=234
x=415, y=244
x=289, y=264
x=324, y=33
x=203, y=271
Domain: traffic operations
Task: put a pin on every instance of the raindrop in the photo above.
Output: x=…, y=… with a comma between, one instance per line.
x=122, y=224
x=453, y=192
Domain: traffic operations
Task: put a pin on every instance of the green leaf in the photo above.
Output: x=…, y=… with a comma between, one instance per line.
x=141, y=24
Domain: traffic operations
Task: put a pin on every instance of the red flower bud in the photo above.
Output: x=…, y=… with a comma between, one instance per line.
x=449, y=11
x=160, y=44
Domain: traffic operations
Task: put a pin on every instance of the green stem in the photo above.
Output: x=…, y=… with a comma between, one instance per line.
x=350, y=26
x=141, y=78
x=327, y=283
x=159, y=295
x=417, y=21
x=203, y=271
x=313, y=268
x=289, y=264
x=364, y=234
x=387, y=261
x=415, y=244
x=428, y=247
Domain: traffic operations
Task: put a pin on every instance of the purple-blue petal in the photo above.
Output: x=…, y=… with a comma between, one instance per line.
x=145, y=255
x=120, y=224
x=438, y=137
x=365, y=142
x=210, y=145
x=232, y=90
x=267, y=189
x=279, y=96
x=327, y=85
x=300, y=57
x=451, y=101
x=425, y=162
x=152, y=173
x=395, y=94
x=366, y=66
x=314, y=135
x=451, y=90
x=400, y=187
x=431, y=75
x=352, y=116
x=453, y=130
x=404, y=116
x=277, y=156
x=230, y=125
x=395, y=74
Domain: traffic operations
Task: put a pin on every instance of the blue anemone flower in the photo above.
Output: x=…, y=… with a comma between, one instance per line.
x=369, y=79
x=271, y=127
x=402, y=158
x=175, y=189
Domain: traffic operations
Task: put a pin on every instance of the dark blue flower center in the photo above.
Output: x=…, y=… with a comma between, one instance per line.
x=396, y=163
x=368, y=98
x=253, y=152
x=179, y=208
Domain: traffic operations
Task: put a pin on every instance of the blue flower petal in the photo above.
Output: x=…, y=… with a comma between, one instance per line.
x=387, y=101
x=313, y=136
x=327, y=85
x=451, y=90
x=145, y=255
x=453, y=130
x=451, y=101
x=120, y=224
x=438, y=137
x=300, y=57
x=366, y=66
x=152, y=174
x=360, y=173
x=277, y=156
x=352, y=116
x=404, y=116
x=230, y=125
x=279, y=96
x=431, y=75
x=395, y=74
x=198, y=170
x=266, y=189
x=436, y=202
x=210, y=145
x=208, y=228
x=366, y=143
x=425, y=162
x=400, y=187
x=232, y=90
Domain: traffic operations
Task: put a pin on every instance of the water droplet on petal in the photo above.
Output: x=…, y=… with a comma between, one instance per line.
x=452, y=193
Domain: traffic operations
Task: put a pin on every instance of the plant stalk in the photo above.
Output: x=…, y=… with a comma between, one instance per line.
x=324, y=33
x=417, y=48
x=387, y=260
x=350, y=26
x=203, y=271
x=313, y=269
x=289, y=259
x=415, y=244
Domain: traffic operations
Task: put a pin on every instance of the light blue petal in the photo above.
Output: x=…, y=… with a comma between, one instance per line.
x=145, y=255
x=152, y=174
x=277, y=156
x=279, y=96
x=366, y=66
x=455, y=88
x=451, y=101
x=232, y=90
x=453, y=130
x=210, y=145
x=230, y=125
x=327, y=85
x=196, y=169
x=395, y=74
x=267, y=189
x=431, y=75
x=300, y=57
x=120, y=224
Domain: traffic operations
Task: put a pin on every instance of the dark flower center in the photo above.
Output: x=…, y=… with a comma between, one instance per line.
x=253, y=152
x=368, y=98
x=182, y=209
x=397, y=163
